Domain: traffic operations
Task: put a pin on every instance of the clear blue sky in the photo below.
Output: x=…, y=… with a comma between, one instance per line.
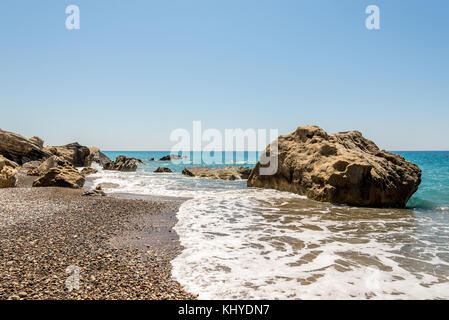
x=138, y=69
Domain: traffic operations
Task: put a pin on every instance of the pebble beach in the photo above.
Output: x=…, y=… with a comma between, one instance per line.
x=122, y=248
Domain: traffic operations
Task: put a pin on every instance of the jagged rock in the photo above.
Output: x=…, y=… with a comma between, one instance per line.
x=224, y=173
x=107, y=185
x=17, y=148
x=67, y=177
x=74, y=153
x=87, y=171
x=123, y=163
x=96, y=192
x=51, y=162
x=96, y=156
x=150, y=159
x=163, y=169
x=342, y=168
x=8, y=173
x=172, y=157
x=37, y=141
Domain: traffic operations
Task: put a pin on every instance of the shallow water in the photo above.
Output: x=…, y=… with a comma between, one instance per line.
x=252, y=243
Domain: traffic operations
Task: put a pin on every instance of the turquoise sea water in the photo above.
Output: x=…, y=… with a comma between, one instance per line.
x=249, y=243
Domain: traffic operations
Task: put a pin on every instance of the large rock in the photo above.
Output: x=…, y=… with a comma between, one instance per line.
x=19, y=149
x=223, y=173
x=123, y=163
x=96, y=156
x=342, y=168
x=67, y=177
x=74, y=153
x=87, y=171
x=53, y=161
x=8, y=173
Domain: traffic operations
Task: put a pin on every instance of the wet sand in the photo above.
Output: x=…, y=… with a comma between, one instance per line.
x=122, y=248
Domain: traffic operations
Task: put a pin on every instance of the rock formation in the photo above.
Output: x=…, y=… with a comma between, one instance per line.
x=123, y=163
x=224, y=173
x=96, y=156
x=342, y=168
x=8, y=173
x=163, y=169
x=67, y=177
x=74, y=153
x=51, y=162
x=19, y=149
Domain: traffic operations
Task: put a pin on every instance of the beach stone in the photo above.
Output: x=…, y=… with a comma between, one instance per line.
x=17, y=148
x=163, y=169
x=67, y=177
x=123, y=163
x=96, y=156
x=74, y=153
x=341, y=168
x=224, y=173
x=107, y=185
x=87, y=171
x=8, y=173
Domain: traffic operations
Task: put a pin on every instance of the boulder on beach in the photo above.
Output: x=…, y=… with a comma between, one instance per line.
x=341, y=168
x=123, y=163
x=67, y=177
x=8, y=173
x=49, y=163
x=19, y=149
x=163, y=169
x=223, y=173
x=96, y=156
x=74, y=153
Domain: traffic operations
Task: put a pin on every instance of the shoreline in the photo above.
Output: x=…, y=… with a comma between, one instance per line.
x=122, y=247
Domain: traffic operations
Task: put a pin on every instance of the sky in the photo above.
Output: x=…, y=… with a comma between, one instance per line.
x=137, y=70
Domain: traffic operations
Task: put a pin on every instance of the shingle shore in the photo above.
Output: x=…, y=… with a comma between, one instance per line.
x=121, y=247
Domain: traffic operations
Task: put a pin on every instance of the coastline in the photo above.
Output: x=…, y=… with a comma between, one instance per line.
x=122, y=247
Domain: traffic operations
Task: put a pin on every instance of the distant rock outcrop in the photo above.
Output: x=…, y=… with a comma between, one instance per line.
x=67, y=177
x=223, y=173
x=163, y=169
x=96, y=156
x=8, y=173
x=74, y=153
x=19, y=149
x=342, y=168
x=123, y=163
x=172, y=157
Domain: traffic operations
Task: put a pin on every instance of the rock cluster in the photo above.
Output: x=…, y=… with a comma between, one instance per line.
x=172, y=157
x=223, y=173
x=74, y=153
x=96, y=156
x=123, y=163
x=342, y=168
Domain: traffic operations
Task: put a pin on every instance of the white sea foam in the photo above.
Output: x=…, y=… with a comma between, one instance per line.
x=245, y=243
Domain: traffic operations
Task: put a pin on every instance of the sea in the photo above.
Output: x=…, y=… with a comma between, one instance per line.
x=250, y=243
